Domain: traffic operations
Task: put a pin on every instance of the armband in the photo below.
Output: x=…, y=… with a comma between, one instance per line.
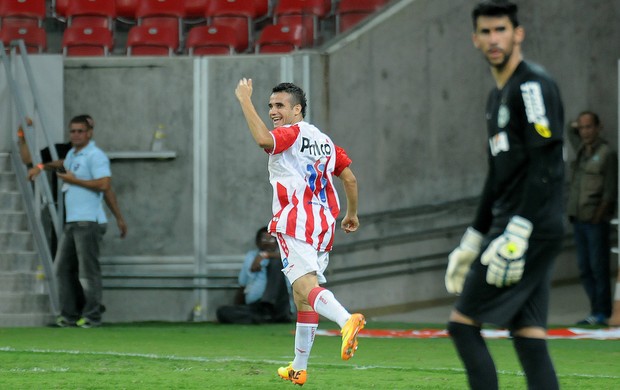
x=41, y=166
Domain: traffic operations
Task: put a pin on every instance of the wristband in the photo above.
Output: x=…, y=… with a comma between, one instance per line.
x=20, y=133
x=41, y=166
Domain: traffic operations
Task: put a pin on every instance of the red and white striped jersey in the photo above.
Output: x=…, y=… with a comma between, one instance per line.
x=301, y=168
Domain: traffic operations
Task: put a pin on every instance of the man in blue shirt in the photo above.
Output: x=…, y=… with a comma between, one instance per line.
x=263, y=294
x=86, y=177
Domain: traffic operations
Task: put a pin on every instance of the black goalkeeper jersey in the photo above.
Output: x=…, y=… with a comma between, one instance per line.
x=525, y=121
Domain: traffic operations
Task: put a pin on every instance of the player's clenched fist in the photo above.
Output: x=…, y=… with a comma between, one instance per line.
x=244, y=89
x=460, y=260
x=505, y=256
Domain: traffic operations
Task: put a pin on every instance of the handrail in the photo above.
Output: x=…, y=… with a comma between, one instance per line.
x=42, y=185
x=41, y=181
x=36, y=227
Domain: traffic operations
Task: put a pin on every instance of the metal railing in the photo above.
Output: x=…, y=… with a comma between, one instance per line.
x=41, y=194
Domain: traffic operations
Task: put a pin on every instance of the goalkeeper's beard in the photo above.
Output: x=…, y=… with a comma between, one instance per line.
x=500, y=66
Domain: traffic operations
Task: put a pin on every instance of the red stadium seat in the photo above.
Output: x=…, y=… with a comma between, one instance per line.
x=309, y=13
x=351, y=12
x=126, y=9
x=319, y=8
x=60, y=8
x=162, y=13
x=91, y=13
x=87, y=41
x=235, y=13
x=280, y=38
x=215, y=39
x=262, y=8
x=152, y=41
x=167, y=9
x=21, y=11
x=35, y=37
x=195, y=9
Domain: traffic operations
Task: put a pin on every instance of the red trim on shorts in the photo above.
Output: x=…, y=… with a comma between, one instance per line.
x=313, y=294
x=308, y=317
x=283, y=245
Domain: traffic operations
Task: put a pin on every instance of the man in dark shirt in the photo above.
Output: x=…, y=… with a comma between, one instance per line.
x=591, y=205
x=503, y=265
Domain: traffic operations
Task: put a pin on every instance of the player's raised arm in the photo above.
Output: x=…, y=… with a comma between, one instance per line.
x=257, y=127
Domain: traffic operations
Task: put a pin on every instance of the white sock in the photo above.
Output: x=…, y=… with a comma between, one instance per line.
x=324, y=303
x=307, y=323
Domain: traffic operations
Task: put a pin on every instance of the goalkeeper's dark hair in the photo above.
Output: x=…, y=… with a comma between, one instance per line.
x=495, y=8
x=297, y=95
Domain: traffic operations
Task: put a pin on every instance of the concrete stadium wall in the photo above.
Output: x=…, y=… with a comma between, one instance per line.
x=404, y=94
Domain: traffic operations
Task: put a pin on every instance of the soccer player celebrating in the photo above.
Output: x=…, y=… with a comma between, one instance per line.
x=503, y=265
x=302, y=161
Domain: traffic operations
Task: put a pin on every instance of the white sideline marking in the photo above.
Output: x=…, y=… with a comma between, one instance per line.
x=201, y=359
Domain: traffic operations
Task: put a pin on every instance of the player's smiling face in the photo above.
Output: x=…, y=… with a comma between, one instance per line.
x=497, y=39
x=281, y=110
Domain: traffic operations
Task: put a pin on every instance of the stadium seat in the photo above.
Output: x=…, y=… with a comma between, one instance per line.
x=126, y=10
x=35, y=37
x=91, y=13
x=280, y=38
x=215, y=39
x=308, y=13
x=20, y=12
x=351, y=12
x=263, y=8
x=60, y=8
x=162, y=13
x=152, y=41
x=195, y=9
x=234, y=13
x=319, y=8
x=87, y=41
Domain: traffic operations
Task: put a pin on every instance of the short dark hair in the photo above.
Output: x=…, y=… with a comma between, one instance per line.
x=259, y=233
x=495, y=8
x=297, y=95
x=91, y=121
x=594, y=116
x=82, y=119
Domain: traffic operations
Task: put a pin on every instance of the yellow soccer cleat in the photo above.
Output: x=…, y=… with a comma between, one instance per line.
x=349, y=335
x=298, y=377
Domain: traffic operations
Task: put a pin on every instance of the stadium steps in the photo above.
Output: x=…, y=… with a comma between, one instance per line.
x=23, y=299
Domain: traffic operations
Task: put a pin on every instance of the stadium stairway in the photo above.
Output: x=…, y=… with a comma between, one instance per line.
x=23, y=297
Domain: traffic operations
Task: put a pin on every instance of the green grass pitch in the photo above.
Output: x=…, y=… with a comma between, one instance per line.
x=214, y=356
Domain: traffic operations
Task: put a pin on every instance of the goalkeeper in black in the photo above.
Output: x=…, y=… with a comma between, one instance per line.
x=503, y=265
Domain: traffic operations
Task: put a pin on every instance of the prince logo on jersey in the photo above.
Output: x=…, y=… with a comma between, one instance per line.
x=301, y=165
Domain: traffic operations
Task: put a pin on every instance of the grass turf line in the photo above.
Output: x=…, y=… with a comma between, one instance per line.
x=213, y=356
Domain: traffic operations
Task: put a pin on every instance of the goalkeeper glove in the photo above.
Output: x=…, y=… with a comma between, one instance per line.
x=460, y=260
x=505, y=256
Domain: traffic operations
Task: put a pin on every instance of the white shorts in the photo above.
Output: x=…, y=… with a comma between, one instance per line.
x=300, y=258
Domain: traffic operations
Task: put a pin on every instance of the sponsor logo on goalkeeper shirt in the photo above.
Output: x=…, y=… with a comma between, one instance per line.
x=535, y=107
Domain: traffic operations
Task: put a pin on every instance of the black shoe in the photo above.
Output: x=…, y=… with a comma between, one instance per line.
x=593, y=320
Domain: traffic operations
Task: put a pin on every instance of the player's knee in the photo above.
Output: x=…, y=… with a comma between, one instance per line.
x=531, y=332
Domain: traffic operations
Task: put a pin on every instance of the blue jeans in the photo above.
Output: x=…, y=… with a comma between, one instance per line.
x=593, y=258
x=77, y=267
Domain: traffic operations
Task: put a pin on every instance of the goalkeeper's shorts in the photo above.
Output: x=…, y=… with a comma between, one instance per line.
x=523, y=304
